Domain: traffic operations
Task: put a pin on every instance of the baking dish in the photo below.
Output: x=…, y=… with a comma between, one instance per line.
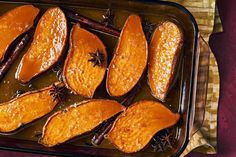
x=180, y=99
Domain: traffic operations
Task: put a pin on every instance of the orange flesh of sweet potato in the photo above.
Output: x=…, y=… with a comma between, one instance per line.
x=77, y=119
x=164, y=49
x=129, y=60
x=25, y=109
x=80, y=75
x=47, y=46
x=14, y=23
x=135, y=127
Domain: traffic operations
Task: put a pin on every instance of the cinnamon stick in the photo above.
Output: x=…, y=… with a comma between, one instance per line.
x=87, y=22
x=74, y=17
x=90, y=23
x=5, y=66
x=99, y=136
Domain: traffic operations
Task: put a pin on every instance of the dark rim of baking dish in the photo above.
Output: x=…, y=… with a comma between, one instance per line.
x=186, y=139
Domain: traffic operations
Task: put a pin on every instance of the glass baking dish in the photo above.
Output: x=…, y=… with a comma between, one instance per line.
x=180, y=99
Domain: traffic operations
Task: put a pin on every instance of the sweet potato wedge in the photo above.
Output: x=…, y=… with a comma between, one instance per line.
x=80, y=74
x=164, y=51
x=77, y=119
x=14, y=23
x=130, y=58
x=135, y=127
x=47, y=46
x=25, y=109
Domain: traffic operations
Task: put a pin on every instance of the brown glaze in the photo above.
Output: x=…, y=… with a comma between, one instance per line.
x=25, y=109
x=77, y=120
x=6, y=65
x=47, y=46
x=90, y=23
x=164, y=51
x=135, y=127
x=14, y=23
x=25, y=139
x=81, y=75
x=129, y=60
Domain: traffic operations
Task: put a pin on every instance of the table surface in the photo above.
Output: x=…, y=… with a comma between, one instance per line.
x=224, y=48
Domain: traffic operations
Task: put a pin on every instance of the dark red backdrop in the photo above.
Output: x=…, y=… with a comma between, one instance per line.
x=224, y=48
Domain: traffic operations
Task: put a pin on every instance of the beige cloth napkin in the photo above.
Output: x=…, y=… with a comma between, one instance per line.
x=207, y=17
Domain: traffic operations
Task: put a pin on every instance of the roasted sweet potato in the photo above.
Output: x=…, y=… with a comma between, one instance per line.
x=85, y=65
x=164, y=51
x=47, y=46
x=77, y=119
x=135, y=127
x=130, y=58
x=14, y=23
x=26, y=108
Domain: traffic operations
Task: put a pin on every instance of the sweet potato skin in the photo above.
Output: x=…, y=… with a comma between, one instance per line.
x=25, y=109
x=80, y=75
x=135, y=127
x=47, y=46
x=14, y=23
x=164, y=52
x=130, y=58
x=77, y=120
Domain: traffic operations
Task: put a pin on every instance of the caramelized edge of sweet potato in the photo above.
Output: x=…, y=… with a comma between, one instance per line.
x=123, y=114
x=115, y=54
x=25, y=29
x=22, y=126
x=174, y=65
x=67, y=62
x=84, y=102
x=45, y=70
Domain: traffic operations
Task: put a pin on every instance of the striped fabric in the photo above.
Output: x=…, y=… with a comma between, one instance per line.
x=207, y=17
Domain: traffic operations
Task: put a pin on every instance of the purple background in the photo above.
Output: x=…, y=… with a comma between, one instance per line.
x=224, y=48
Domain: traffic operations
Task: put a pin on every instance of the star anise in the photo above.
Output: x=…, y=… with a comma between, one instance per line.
x=58, y=92
x=157, y=145
x=97, y=58
x=148, y=28
x=163, y=140
x=167, y=140
x=108, y=18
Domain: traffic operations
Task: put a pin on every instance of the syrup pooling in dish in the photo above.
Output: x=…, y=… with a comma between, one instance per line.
x=14, y=23
x=47, y=46
x=77, y=119
x=135, y=127
x=26, y=108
